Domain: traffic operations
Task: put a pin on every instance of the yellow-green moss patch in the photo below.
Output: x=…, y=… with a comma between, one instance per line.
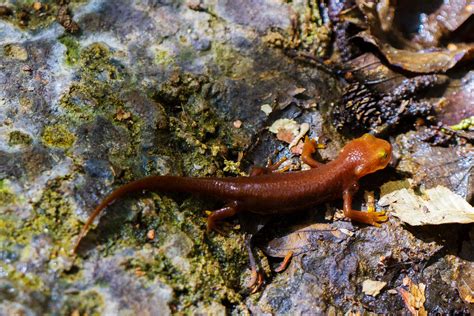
x=72, y=48
x=6, y=196
x=58, y=136
x=15, y=51
x=88, y=303
x=19, y=138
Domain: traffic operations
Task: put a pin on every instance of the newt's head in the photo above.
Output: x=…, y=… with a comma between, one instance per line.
x=367, y=154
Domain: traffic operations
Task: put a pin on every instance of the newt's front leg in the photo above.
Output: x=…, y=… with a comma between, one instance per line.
x=370, y=217
x=309, y=148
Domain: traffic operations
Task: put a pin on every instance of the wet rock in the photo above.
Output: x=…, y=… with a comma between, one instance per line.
x=270, y=13
x=332, y=273
x=152, y=87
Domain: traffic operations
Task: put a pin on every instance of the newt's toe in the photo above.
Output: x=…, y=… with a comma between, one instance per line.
x=256, y=281
x=378, y=218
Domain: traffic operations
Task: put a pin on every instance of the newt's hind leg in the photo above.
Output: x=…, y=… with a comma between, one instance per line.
x=218, y=215
x=257, y=276
x=310, y=146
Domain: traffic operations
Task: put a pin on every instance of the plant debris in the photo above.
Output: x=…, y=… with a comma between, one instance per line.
x=436, y=206
x=414, y=298
x=372, y=287
x=266, y=108
x=303, y=238
x=65, y=19
x=289, y=131
x=378, y=99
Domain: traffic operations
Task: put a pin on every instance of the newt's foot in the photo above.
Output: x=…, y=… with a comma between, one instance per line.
x=374, y=216
x=256, y=281
x=377, y=218
x=286, y=261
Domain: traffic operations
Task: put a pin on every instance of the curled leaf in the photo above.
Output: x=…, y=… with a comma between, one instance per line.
x=420, y=56
x=303, y=239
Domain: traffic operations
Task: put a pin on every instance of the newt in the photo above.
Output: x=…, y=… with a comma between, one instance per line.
x=268, y=192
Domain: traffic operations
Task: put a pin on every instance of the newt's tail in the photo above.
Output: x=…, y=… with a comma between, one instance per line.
x=155, y=183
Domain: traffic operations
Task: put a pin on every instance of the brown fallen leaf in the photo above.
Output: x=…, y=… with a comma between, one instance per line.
x=302, y=239
x=419, y=56
x=458, y=102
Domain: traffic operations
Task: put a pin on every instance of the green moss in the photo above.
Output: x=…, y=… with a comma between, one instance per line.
x=233, y=167
x=72, y=48
x=15, y=51
x=52, y=215
x=78, y=103
x=29, y=281
x=6, y=196
x=162, y=57
x=186, y=54
x=466, y=124
x=19, y=138
x=58, y=136
x=83, y=303
x=99, y=86
x=96, y=61
x=99, y=92
x=210, y=277
x=231, y=62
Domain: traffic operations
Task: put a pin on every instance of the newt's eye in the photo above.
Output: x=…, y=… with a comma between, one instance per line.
x=383, y=154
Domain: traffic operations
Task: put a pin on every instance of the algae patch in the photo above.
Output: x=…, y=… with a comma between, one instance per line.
x=15, y=51
x=19, y=138
x=6, y=195
x=58, y=136
x=88, y=303
x=72, y=49
x=230, y=62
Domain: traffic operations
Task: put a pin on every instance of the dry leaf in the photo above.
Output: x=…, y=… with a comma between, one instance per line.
x=465, y=276
x=414, y=298
x=435, y=60
x=436, y=206
x=372, y=287
x=266, y=108
x=285, y=129
x=304, y=128
x=290, y=132
x=458, y=100
x=302, y=239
